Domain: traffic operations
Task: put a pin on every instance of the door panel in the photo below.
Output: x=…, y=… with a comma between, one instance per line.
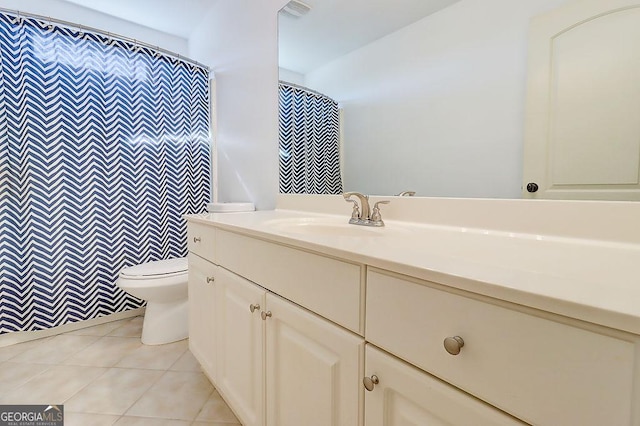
x=406, y=396
x=582, y=137
x=202, y=312
x=313, y=369
x=240, y=346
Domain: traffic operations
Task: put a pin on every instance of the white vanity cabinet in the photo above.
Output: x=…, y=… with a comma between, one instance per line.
x=202, y=303
x=201, y=240
x=543, y=369
x=403, y=395
x=240, y=346
x=201, y=288
x=327, y=286
x=313, y=366
x=300, y=333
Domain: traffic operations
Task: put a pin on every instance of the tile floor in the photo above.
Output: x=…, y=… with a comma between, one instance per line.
x=104, y=376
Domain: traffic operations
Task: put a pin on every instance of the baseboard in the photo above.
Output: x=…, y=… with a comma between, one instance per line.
x=24, y=336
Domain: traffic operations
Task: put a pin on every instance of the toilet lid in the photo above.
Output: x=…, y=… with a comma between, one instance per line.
x=155, y=268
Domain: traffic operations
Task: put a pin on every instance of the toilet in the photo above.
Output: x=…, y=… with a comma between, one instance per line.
x=163, y=284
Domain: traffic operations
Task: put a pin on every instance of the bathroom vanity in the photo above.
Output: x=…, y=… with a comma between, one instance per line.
x=300, y=318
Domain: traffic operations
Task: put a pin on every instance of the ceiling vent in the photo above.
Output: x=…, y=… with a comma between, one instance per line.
x=296, y=9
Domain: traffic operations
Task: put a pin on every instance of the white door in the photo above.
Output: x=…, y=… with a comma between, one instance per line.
x=405, y=396
x=202, y=275
x=241, y=346
x=313, y=369
x=582, y=131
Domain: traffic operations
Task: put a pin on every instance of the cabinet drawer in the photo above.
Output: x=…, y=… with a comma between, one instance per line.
x=326, y=286
x=201, y=240
x=542, y=371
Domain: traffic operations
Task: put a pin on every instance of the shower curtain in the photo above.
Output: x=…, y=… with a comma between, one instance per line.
x=309, y=142
x=104, y=145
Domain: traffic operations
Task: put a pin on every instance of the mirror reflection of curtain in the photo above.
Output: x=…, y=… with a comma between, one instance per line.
x=309, y=142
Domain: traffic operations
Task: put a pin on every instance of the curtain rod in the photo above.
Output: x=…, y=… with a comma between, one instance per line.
x=102, y=32
x=306, y=89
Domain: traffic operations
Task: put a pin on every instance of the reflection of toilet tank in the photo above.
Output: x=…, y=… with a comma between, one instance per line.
x=163, y=284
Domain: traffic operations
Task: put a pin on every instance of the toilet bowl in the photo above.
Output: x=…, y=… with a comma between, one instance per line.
x=163, y=284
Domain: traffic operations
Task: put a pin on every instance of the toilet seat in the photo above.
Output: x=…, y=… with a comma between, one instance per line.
x=156, y=269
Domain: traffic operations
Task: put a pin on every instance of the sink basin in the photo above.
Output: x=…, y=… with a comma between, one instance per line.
x=323, y=226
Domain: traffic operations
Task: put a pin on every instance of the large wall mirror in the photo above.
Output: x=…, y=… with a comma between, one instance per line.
x=433, y=93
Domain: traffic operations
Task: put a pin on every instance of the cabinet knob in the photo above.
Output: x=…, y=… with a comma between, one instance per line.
x=265, y=315
x=253, y=307
x=453, y=344
x=370, y=382
x=532, y=187
x=210, y=279
x=197, y=239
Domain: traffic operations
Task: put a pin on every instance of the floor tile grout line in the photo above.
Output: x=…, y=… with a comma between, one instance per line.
x=29, y=344
x=84, y=387
x=160, y=378
x=49, y=366
x=143, y=393
x=204, y=404
x=180, y=357
x=132, y=404
x=62, y=360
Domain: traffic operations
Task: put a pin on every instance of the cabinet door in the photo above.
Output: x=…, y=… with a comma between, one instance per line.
x=241, y=346
x=406, y=396
x=202, y=275
x=313, y=369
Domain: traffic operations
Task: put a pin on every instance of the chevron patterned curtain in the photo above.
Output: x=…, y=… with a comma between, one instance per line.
x=104, y=145
x=309, y=142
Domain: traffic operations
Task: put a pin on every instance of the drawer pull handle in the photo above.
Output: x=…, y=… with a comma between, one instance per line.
x=370, y=382
x=265, y=315
x=197, y=239
x=453, y=344
x=253, y=307
x=210, y=279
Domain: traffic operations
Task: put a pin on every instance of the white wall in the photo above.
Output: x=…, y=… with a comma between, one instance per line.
x=470, y=65
x=238, y=40
x=291, y=76
x=79, y=15
x=449, y=92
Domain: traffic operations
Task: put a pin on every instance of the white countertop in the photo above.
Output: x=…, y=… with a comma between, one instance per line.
x=590, y=280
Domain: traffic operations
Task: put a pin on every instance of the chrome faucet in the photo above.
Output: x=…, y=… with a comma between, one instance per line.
x=406, y=194
x=364, y=215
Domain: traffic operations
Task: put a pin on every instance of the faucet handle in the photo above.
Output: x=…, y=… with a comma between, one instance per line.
x=355, y=214
x=376, y=216
x=375, y=206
